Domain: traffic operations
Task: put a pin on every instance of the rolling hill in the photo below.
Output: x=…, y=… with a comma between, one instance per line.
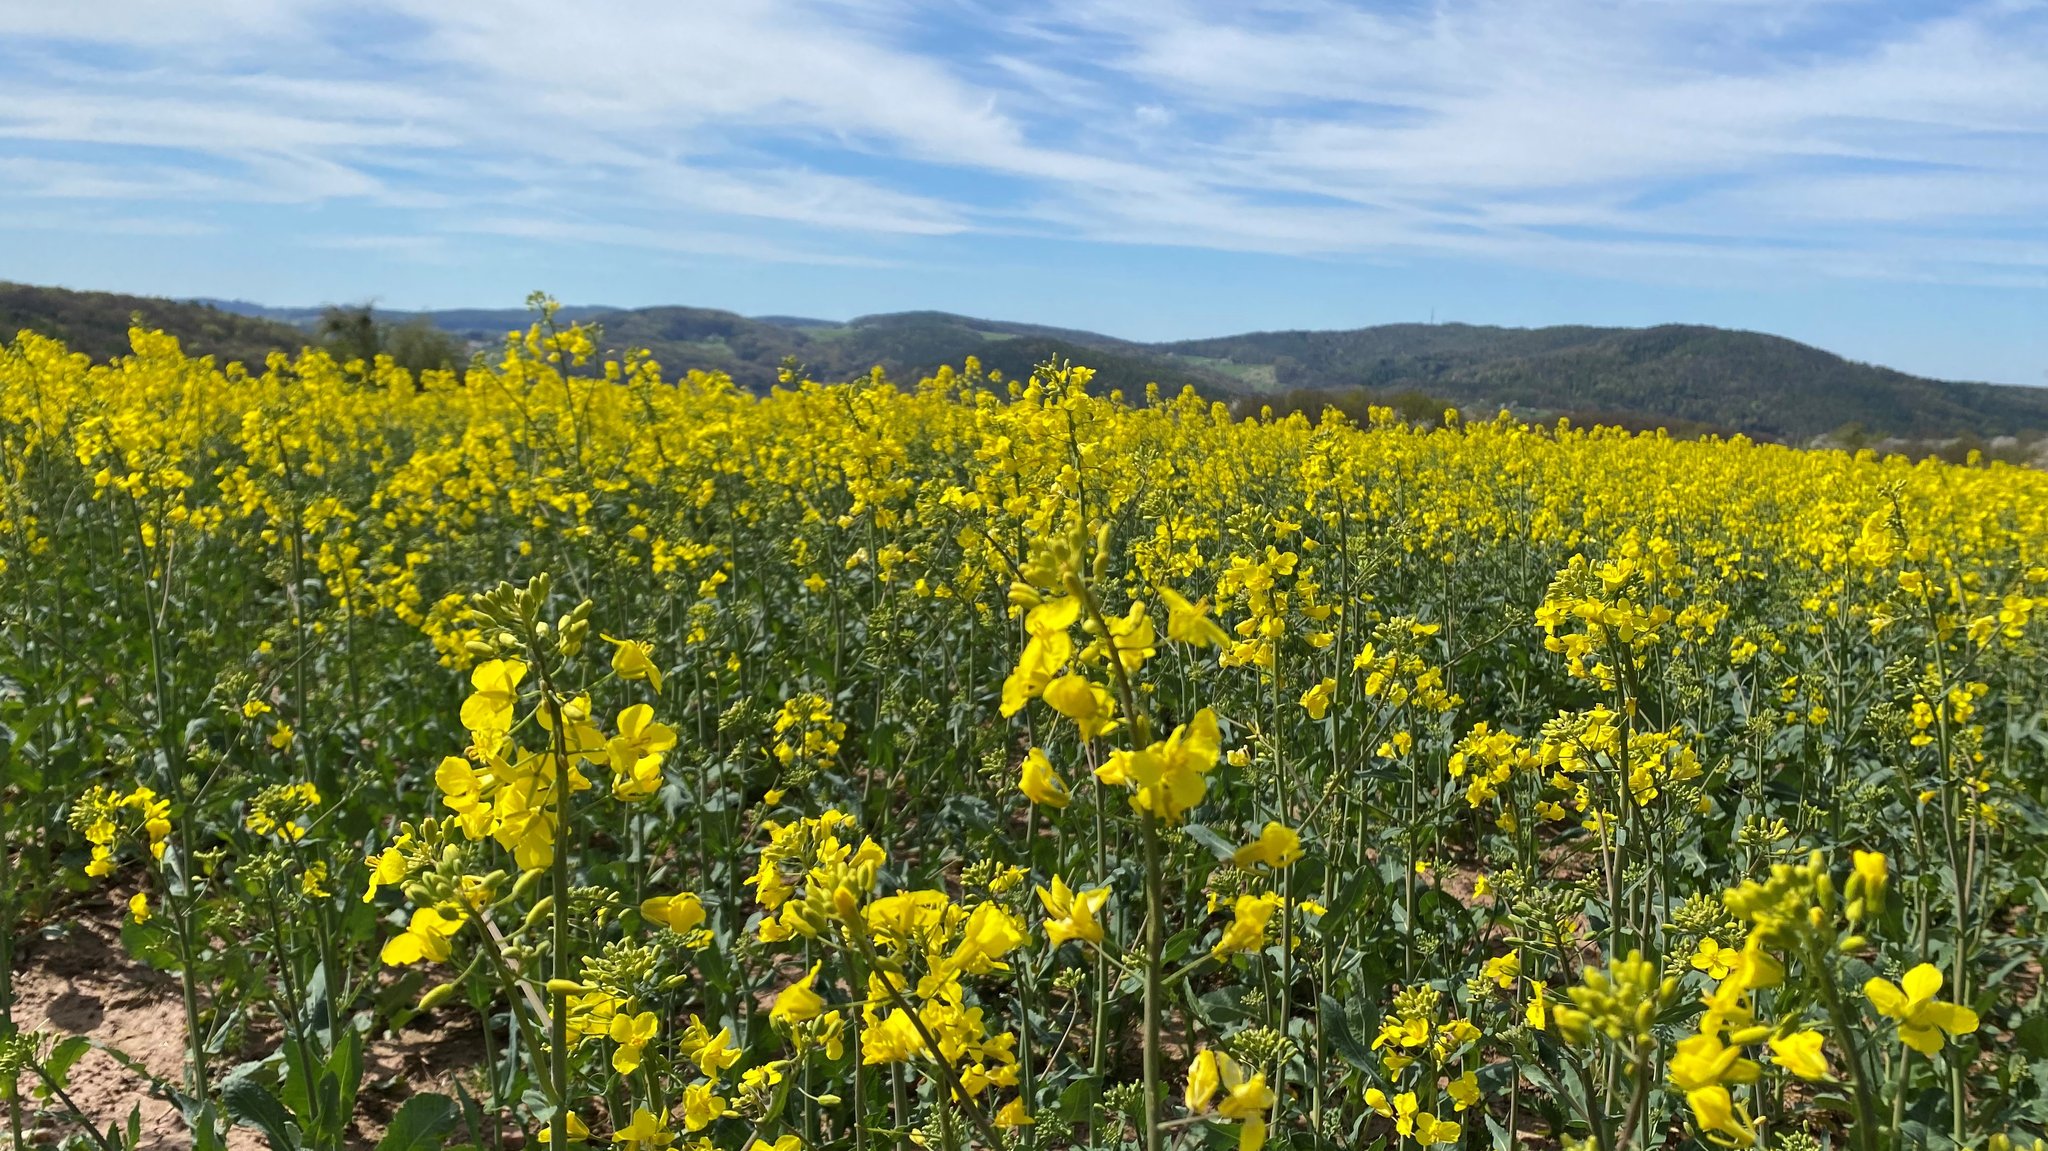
x=1690, y=378
x=96, y=323
x=1758, y=384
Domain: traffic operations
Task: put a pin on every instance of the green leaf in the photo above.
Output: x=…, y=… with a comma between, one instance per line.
x=292, y=1087
x=1347, y=898
x=1075, y=1102
x=1208, y=838
x=150, y=942
x=346, y=1065
x=420, y=1125
x=472, y=1114
x=1337, y=1027
x=251, y=1103
x=64, y=1056
x=332, y=1118
x=1840, y=1104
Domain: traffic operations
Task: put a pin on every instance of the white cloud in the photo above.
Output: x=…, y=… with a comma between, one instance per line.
x=1735, y=137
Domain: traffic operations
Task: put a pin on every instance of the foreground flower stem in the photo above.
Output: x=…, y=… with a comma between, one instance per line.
x=1640, y=1073
x=189, y=987
x=7, y=941
x=7, y=978
x=56, y=1088
x=1846, y=1027
x=1596, y=1116
x=1155, y=897
x=558, y=1014
x=1025, y=983
x=1155, y=943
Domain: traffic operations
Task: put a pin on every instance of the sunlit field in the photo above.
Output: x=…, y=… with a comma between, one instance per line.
x=983, y=762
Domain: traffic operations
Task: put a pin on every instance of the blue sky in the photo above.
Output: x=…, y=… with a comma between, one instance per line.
x=1870, y=177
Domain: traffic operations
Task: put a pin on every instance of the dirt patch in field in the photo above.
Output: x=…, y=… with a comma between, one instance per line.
x=82, y=982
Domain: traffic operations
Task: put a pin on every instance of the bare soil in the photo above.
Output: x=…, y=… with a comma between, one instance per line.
x=82, y=982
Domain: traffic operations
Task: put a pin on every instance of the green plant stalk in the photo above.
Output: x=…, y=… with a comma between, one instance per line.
x=1958, y=866
x=947, y=1140
x=517, y=990
x=1155, y=941
x=854, y=1037
x=1026, y=980
x=1845, y=1026
x=1155, y=899
x=1283, y=1002
x=899, y=1100
x=1286, y=988
x=339, y=990
x=7, y=1025
x=290, y=1019
x=558, y=1028
x=481, y=1004
x=64, y=1097
x=1595, y=1119
x=1639, y=1070
x=558, y=1017
x=1155, y=920
x=196, y=1077
x=1098, y=1052
x=1899, y=1097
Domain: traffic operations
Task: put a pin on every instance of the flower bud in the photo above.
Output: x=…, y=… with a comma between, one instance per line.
x=437, y=995
x=526, y=881
x=846, y=903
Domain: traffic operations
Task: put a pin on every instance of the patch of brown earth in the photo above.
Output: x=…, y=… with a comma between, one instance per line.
x=82, y=982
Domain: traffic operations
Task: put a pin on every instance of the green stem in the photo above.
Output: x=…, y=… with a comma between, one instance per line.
x=558, y=1017
x=1845, y=1027
x=64, y=1097
x=1155, y=942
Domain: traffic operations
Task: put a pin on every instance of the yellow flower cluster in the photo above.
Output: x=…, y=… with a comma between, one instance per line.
x=103, y=816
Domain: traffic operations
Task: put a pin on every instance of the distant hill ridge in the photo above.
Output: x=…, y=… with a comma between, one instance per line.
x=96, y=323
x=1688, y=377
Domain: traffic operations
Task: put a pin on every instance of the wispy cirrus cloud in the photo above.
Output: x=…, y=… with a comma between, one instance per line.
x=1652, y=138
